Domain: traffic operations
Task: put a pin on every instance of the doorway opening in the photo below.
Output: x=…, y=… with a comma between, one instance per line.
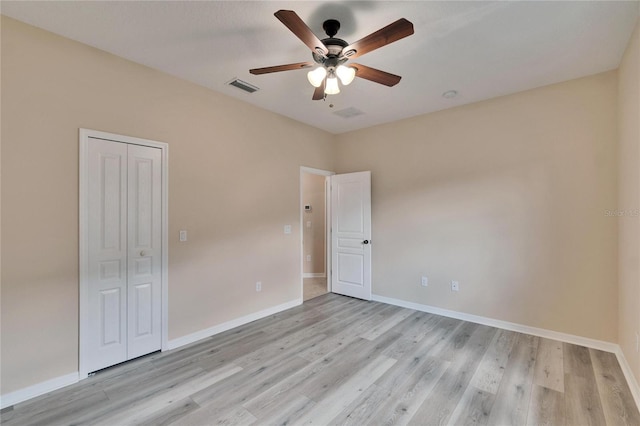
x=314, y=231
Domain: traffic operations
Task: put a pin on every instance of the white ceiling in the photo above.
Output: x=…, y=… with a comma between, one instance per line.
x=480, y=49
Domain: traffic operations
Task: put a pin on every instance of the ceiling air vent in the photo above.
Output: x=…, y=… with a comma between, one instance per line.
x=243, y=85
x=348, y=112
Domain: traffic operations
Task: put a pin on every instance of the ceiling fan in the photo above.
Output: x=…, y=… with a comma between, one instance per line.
x=331, y=54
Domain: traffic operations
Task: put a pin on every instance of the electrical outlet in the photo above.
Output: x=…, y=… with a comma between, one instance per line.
x=308, y=258
x=259, y=286
x=455, y=286
x=424, y=282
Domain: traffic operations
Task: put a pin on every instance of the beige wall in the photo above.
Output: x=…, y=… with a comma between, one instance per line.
x=507, y=196
x=629, y=200
x=233, y=184
x=314, y=235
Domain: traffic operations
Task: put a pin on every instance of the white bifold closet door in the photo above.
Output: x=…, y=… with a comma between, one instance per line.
x=124, y=255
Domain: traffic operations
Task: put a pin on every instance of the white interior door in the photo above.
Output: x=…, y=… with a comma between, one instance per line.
x=107, y=297
x=144, y=251
x=124, y=252
x=351, y=234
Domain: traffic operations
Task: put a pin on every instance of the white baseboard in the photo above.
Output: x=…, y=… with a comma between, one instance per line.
x=628, y=374
x=203, y=334
x=38, y=389
x=540, y=332
x=314, y=275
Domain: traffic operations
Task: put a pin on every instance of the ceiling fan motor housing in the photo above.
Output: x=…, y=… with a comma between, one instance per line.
x=334, y=45
x=333, y=58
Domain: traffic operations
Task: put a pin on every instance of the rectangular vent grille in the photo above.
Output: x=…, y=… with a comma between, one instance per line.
x=243, y=85
x=349, y=112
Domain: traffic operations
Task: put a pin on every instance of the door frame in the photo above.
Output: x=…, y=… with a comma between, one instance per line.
x=327, y=221
x=84, y=135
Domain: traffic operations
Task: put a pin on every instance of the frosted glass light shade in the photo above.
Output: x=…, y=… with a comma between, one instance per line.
x=346, y=74
x=316, y=76
x=332, y=86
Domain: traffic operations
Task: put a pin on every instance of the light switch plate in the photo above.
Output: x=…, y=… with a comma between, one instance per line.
x=287, y=229
x=183, y=236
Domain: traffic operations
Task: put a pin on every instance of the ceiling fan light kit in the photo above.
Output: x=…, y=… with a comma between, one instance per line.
x=332, y=53
x=345, y=74
x=316, y=77
x=332, y=87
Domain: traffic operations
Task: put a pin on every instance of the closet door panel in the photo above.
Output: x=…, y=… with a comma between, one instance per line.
x=144, y=250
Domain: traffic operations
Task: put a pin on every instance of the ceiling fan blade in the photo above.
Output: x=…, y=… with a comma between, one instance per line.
x=387, y=35
x=297, y=26
x=376, y=75
x=278, y=68
x=318, y=94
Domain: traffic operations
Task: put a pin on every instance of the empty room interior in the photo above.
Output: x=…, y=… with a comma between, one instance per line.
x=320, y=212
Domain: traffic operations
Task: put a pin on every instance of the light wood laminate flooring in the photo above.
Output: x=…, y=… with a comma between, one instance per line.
x=338, y=360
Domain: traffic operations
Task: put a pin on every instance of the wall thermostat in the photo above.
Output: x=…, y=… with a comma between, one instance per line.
x=307, y=208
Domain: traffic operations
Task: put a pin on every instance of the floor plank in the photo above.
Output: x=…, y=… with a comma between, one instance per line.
x=474, y=408
x=171, y=413
x=465, y=352
x=147, y=407
x=582, y=401
x=615, y=395
x=339, y=360
x=547, y=407
x=513, y=397
x=549, y=370
x=413, y=377
x=491, y=369
x=330, y=404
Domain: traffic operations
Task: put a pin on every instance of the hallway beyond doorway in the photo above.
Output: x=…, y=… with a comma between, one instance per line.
x=313, y=287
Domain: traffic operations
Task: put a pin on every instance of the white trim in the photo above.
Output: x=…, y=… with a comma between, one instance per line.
x=540, y=332
x=327, y=204
x=84, y=135
x=83, y=218
x=38, y=389
x=311, y=170
x=327, y=228
x=628, y=374
x=203, y=334
x=314, y=275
